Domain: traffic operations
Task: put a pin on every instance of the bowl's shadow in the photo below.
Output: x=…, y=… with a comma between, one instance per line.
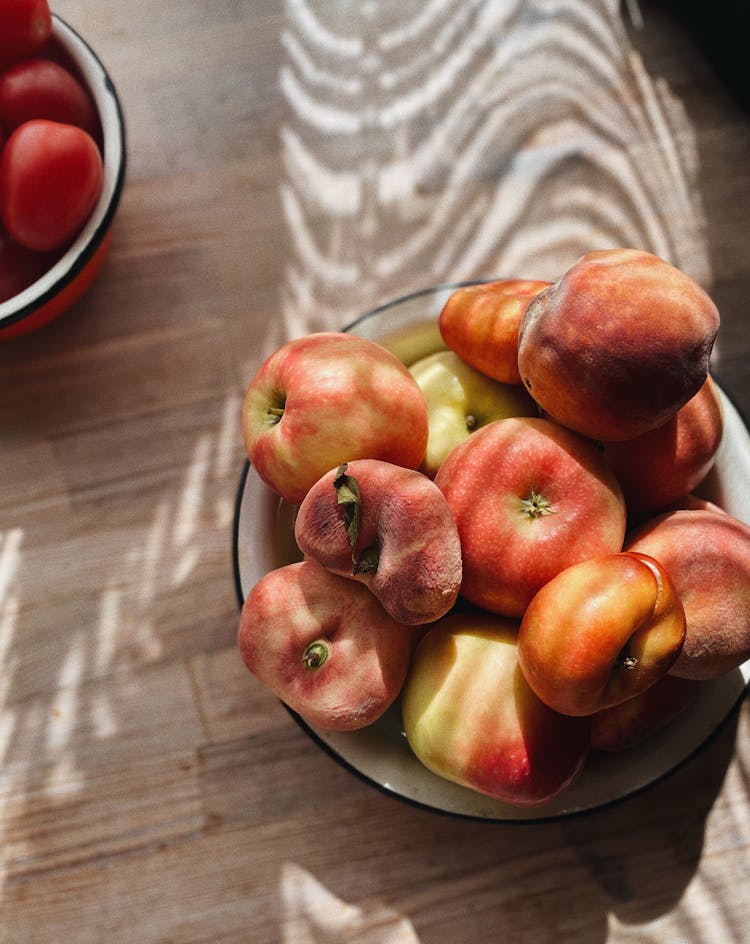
x=647, y=878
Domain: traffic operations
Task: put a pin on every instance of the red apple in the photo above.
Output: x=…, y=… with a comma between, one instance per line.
x=618, y=344
x=601, y=632
x=707, y=554
x=324, y=645
x=470, y=717
x=480, y=323
x=389, y=528
x=529, y=498
x=325, y=399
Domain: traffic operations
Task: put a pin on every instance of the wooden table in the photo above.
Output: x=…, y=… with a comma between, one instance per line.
x=292, y=164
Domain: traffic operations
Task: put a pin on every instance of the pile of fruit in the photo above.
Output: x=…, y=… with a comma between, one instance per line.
x=51, y=166
x=505, y=534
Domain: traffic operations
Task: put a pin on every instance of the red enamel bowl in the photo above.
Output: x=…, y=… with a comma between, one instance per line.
x=71, y=275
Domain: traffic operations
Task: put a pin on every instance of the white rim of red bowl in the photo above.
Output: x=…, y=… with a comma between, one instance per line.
x=108, y=106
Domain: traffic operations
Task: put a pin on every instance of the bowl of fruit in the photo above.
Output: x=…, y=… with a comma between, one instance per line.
x=62, y=166
x=491, y=546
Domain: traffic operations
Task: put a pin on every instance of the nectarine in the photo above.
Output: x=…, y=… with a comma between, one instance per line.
x=601, y=632
x=618, y=344
x=480, y=323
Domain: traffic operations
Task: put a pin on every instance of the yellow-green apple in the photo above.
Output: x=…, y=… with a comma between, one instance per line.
x=480, y=323
x=529, y=498
x=618, y=344
x=325, y=399
x=324, y=646
x=601, y=632
x=707, y=554
x=633, y=721
x=389, y=528
x=461, y=400
x=663, y=465
x=470, y=717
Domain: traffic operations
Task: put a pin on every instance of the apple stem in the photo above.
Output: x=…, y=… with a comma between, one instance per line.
x=275, y=409
x=535, y=506
x=315, y=655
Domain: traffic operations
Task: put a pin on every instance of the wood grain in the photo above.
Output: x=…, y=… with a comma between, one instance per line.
x=150, y=790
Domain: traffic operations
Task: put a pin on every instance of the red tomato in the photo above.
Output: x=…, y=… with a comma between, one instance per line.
x=40, y=88
x=20, y=267
x=26, y=27
x=50, y=179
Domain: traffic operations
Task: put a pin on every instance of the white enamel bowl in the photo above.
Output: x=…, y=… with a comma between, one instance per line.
x=380, y=754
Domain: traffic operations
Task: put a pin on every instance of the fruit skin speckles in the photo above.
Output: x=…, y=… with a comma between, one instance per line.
x=529, y=499
x=325, y=399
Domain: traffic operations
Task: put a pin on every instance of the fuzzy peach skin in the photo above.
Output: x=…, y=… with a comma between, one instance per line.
x=665, y=464
x=618, y=344
x=324, y=646
x=406, y=550
x=529, y=498
x=327, y=398
x=480, y=323
x=601, y=632
x=707, y=554
x=634, y=721
x=470, y=717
